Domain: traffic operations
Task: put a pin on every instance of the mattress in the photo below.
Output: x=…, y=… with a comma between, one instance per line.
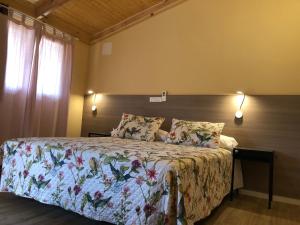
x=119, y=181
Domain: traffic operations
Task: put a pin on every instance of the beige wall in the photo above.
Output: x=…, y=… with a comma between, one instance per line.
x=78, y=87
x=205, y=47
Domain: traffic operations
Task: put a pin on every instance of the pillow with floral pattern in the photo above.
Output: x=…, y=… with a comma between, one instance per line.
x=138, y=127
x=203, y=134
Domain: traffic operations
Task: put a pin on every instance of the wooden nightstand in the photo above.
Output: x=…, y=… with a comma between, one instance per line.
x=255, y=154
x=101, y=134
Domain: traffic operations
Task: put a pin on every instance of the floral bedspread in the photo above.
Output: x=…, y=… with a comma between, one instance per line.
x=116, y=180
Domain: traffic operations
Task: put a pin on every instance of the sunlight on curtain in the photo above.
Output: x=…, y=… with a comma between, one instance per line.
x=51, y=56
x=20, y=43
x=34, y=100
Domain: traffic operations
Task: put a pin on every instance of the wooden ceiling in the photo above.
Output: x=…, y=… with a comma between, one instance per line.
x=91, y=20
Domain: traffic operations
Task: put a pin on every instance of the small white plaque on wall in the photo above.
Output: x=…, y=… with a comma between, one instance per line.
x=107, y=48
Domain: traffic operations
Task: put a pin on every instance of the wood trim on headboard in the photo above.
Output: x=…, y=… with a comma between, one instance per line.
x=269, y=122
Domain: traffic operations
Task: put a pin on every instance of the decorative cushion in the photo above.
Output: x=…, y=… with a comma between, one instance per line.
x=203, y=134
x=138, y=127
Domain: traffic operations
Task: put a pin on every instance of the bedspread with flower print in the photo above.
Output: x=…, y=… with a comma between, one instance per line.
x=119, y=181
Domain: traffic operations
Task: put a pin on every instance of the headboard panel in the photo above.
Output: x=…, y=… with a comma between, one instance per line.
x=269, y=122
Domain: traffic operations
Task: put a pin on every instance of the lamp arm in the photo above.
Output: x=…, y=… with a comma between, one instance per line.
x=244, y=96
x=94, y=99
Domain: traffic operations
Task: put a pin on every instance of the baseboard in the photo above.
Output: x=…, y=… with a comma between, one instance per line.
x=276, y=198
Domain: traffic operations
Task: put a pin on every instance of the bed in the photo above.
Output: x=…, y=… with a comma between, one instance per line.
x=120, y=181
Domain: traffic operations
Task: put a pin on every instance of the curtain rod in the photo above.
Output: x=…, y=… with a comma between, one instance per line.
x=37, y=20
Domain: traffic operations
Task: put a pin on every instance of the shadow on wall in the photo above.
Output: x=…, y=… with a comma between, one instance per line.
x=238, y=121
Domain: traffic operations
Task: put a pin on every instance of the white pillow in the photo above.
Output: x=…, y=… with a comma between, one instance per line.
x=161, y=135
x=228, y=142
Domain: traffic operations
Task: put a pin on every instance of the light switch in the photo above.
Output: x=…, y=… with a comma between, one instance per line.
x=155, y=99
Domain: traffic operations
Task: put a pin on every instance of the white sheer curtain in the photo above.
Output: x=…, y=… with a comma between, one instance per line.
x=3, y=46
x=51, y=92
x=51, y=55
x=37, y=82
x=20, y=50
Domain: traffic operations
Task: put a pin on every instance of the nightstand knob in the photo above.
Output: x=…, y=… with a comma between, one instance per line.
x=236, y=151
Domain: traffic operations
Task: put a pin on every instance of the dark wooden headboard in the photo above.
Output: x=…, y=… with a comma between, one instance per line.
x=269, y=122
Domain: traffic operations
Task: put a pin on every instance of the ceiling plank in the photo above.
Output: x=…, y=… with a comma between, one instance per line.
x=29, y=9
x=48, y=6
x=66, y=27
x=23, y=6
x=137, y=18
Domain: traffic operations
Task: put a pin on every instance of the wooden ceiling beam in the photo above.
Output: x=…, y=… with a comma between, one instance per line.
x=137, y=18
x=48, y=6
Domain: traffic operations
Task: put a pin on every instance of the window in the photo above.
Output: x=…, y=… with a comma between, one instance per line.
x=20, y=56
x=50, y=67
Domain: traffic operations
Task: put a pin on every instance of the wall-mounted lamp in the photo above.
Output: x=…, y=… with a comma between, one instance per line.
x=94, y=106
x=240, y=100
x=90, y=92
